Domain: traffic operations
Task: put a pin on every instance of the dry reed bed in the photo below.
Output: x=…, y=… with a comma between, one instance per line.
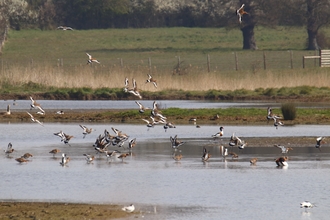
x=192, y=79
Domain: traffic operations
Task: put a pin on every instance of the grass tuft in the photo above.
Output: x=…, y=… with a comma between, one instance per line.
x=289, y=111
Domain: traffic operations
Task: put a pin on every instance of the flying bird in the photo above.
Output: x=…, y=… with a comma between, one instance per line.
x=151, y=80
x=283, y=149
x=33, y=119
x=86, y=130
x=240, y=12
x=91, y=59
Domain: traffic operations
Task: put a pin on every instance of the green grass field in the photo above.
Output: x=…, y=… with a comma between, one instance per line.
x=58, y=59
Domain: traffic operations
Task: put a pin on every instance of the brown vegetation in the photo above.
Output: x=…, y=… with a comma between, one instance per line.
x=43, y=210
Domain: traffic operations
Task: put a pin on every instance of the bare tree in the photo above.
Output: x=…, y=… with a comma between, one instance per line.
x=317, y=15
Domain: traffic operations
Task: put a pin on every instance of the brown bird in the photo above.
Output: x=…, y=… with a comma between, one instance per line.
x=151, y=80
x=122, y=156
x=21, y=160
x=281, y=161
x=177, y=157
x=253, y=161
x=233, y=155
x=54, y=151
x=91, y=59
x=27, y=156
x=86, y=130
x=240, y=12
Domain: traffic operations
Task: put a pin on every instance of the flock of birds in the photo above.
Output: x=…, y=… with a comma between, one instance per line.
x=103, y=141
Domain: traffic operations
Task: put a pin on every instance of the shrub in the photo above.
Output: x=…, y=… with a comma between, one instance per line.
x=288, y=111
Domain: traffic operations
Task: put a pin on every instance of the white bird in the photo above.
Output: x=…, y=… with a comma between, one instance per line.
x=224, y=151
x=64, y=28
x=129, y=208
x=306, y=205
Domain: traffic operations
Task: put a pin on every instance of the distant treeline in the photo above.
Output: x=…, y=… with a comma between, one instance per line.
x=98, y=14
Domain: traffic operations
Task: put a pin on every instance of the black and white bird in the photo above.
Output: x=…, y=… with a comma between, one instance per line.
x=306, y=205
x=240, y=12
x=283, y=149
x=319, y=141
x=175, y=142
x=151, y=80
x=91, y=59
x=206, y=155
x=64, y=160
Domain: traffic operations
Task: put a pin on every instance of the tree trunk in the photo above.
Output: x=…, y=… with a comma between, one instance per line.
x=312, y=41
x=249, y=42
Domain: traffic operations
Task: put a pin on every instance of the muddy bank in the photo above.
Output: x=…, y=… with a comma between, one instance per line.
x=122, y=116
x=44, y=210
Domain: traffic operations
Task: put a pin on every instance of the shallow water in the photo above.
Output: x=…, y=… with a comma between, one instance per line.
x=130, y=104
x=164, y=189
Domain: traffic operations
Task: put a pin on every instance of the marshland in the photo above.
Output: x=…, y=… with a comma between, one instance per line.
x=176, y=57
x=53, y=66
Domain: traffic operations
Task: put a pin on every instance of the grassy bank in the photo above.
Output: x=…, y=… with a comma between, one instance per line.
x=283, y=94
x=178, y=116
x=57, y=59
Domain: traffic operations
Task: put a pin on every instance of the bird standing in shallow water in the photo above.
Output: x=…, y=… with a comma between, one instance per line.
x=89, y=158
x=281, y=161
x=206, y=155
x=27, y=156
x=9, y=149
x=306, y=205
x=122, y=156
x=54, y=151
x=21, y=160
x=319, y=141
x=218, y=134
x=253, y=161
x=64, y=160
x=177, y=157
